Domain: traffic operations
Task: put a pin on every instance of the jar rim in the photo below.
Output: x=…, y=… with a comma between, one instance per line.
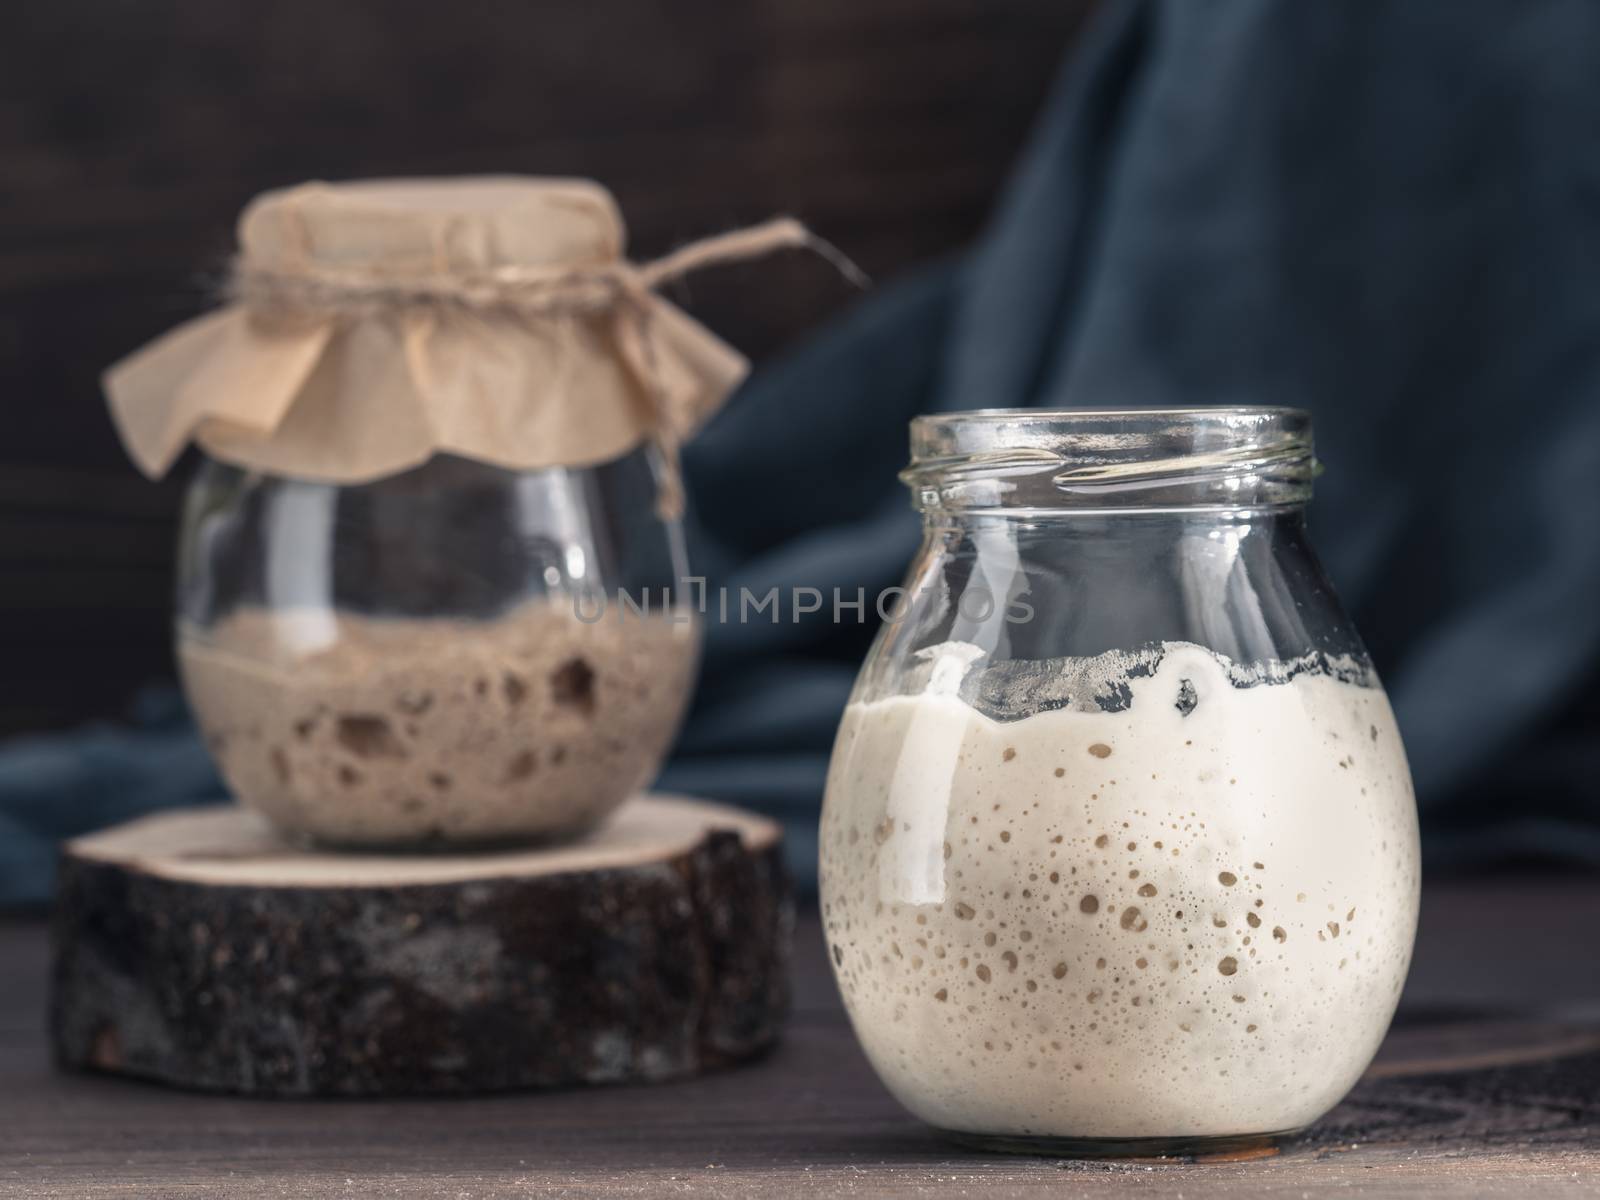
x=1217, y=456
x=1113, y=410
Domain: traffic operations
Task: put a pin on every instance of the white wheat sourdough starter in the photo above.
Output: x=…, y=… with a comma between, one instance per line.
x=1188, y=917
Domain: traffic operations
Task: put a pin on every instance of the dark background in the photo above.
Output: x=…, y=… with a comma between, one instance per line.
x=131, y=133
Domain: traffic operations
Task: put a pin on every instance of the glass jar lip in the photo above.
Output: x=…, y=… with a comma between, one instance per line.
x=1113, y=410
x=936, y=431
x=1150, y=457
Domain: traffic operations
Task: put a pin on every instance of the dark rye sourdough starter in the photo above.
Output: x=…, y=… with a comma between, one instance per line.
x=387, y=730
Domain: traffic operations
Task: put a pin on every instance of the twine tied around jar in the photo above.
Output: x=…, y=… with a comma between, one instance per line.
x=372, y=325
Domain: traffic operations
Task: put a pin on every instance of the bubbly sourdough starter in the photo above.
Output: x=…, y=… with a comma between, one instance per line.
x=406, y=730
x=1188, y=917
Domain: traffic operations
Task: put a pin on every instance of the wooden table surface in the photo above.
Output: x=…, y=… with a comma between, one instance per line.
x=1488, y=1085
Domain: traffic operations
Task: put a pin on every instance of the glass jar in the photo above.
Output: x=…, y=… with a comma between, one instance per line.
x=455, y=654
x=1119, y=847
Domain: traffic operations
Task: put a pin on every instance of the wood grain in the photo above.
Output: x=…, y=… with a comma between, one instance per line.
x=198, y=948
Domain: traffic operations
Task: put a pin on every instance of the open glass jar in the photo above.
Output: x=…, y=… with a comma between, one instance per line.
x=1119, y=849
x=438, y=656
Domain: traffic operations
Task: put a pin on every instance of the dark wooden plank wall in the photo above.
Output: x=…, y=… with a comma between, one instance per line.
x=131, y=133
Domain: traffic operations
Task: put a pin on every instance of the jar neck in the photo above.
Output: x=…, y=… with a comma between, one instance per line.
x=1246, y=585
x=1037, y=464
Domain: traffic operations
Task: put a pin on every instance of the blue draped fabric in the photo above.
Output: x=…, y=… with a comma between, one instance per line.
x=1386, y=213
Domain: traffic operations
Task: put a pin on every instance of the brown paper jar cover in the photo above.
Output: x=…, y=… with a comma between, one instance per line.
x=375, y=324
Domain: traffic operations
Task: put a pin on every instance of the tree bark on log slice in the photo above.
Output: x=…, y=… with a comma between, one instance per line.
x=200, y=949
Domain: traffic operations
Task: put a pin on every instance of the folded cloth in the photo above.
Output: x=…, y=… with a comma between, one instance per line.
x=1384, y=213
x=56, y=785
x=1381, y=212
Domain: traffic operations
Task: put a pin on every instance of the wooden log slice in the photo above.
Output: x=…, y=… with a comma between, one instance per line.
x=200, y=949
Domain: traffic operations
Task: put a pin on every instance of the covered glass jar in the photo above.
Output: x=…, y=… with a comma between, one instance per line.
x=1119, y=848
x=431, y=581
